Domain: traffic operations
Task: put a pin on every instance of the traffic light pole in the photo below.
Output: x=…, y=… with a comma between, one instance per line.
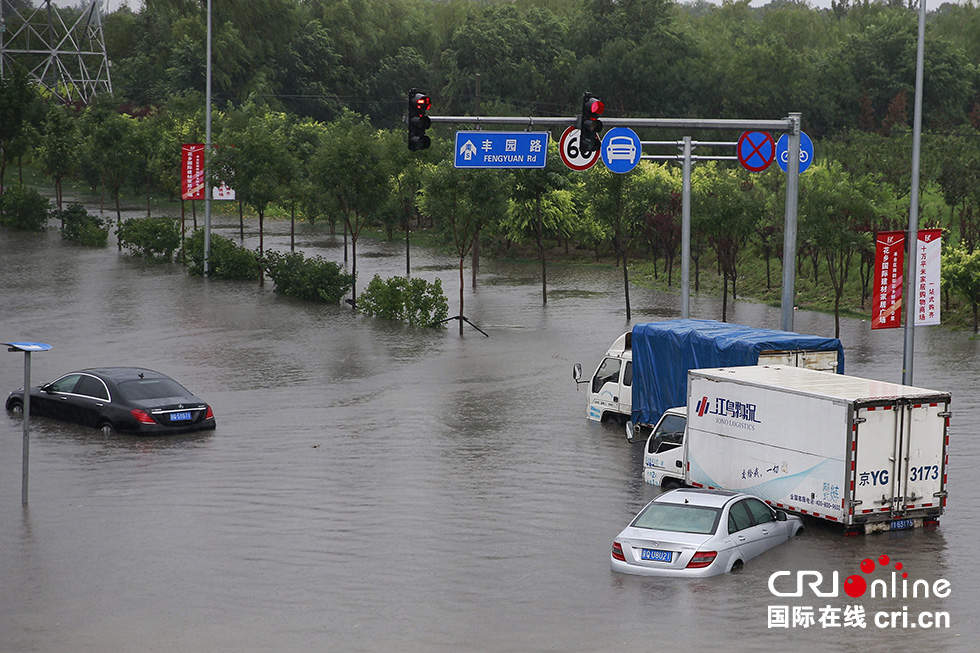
x=790, y=125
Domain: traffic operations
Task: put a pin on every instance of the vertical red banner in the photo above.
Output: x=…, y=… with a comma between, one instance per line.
x=886, y=307
x=192, y=171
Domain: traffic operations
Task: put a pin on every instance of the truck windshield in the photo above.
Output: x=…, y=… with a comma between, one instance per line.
x=668, y=435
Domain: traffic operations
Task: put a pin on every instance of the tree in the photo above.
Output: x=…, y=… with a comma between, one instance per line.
x=352, y=174
x=729, y=209
x=961, y=275
x=252, y=149
x=462, y=203
x=837, y=210
x=58, y=148
x=111, y=147
x=541, y=205
x=16, y=101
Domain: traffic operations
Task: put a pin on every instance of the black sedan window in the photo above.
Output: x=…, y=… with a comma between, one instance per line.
x=90, y=386
x=151, y=389
x=64, y=384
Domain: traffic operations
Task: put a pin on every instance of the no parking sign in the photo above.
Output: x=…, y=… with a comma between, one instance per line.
x=756, y=151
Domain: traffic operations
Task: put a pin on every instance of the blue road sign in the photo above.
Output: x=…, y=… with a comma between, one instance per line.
x=755, y=151
x=480, y=149
x=28, y=346
x=620, y=149
x=806, y=151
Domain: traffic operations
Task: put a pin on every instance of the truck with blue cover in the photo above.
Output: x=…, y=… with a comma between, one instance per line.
x=644, y=372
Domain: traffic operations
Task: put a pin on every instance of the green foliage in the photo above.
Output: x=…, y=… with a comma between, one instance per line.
x=226, y=260
x=961, y=275
x=80, y=226
x=414, y=301
x=151, y=238
x=24, y=208
x=313, y=278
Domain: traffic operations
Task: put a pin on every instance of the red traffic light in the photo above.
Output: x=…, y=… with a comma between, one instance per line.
x=597, y=107
x=421, y=102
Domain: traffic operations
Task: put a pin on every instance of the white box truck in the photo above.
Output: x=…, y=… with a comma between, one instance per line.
x=644, y=372
x=869, y=455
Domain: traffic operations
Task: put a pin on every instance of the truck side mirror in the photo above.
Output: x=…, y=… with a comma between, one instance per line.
x=577, y=371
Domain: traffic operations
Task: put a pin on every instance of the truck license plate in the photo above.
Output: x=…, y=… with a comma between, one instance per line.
x=656, y=555
x=901, y=524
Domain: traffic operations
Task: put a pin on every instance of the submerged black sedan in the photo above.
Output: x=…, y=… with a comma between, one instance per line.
x=123, y=399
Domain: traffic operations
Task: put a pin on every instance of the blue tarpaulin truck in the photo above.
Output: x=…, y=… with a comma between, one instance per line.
x=644, y=372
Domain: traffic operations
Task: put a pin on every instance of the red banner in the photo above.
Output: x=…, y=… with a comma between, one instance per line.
x=192, y=171
x=886, y=307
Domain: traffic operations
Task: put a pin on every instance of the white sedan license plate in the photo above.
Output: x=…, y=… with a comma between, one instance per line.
x=180, y=417
x=656, y=555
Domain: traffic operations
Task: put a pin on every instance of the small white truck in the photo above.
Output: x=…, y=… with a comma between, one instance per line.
x=869, y=455
x=644, y=372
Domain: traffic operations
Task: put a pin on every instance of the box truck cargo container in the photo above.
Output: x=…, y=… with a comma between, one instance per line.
x=869, y=455
x=644, y=372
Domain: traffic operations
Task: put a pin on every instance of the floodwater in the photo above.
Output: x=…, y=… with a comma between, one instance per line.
x=372, y=487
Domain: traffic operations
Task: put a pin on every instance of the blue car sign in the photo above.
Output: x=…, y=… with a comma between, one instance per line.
x=620, y=149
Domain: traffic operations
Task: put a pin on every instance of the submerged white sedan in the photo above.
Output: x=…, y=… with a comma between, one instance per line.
x=697, y=533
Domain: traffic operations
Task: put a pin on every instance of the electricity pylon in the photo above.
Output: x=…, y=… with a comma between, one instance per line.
x=70, y=62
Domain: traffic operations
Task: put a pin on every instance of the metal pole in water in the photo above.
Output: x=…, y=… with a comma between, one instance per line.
x=27, y=426
x=686, y=232
x=27, y=348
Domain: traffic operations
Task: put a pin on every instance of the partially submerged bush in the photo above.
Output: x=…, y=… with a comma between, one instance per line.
x=415, y=301
x=307, y=278
x=24, y=208
x=226, y=260
x=80, y=226
x=151, y=238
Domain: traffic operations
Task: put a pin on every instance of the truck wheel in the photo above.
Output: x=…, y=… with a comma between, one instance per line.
x=669, y=483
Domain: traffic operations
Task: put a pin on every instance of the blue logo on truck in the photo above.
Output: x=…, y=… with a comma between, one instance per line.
x=739, y=414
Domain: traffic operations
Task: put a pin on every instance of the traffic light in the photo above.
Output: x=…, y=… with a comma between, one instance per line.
x=589, y=124
x=418, y=121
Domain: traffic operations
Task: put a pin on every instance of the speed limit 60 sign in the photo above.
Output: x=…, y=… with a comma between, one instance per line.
x=568, y=148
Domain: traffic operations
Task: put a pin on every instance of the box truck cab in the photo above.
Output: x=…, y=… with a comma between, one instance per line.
x=869, y=455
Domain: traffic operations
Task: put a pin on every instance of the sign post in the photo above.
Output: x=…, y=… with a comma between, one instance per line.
x=27, y=348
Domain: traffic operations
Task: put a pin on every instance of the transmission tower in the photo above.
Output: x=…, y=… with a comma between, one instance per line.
x=70, y=62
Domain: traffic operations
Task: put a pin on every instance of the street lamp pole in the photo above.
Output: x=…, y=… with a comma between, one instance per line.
x=912, y=239
x=207, y=152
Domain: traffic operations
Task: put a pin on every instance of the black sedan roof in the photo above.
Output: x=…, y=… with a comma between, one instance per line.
x=120, y=374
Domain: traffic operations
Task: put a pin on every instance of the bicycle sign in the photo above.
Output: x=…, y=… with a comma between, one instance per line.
x=806, y=152
x=571, y=155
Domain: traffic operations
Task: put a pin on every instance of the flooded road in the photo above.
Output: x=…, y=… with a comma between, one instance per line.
x=371, y=487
